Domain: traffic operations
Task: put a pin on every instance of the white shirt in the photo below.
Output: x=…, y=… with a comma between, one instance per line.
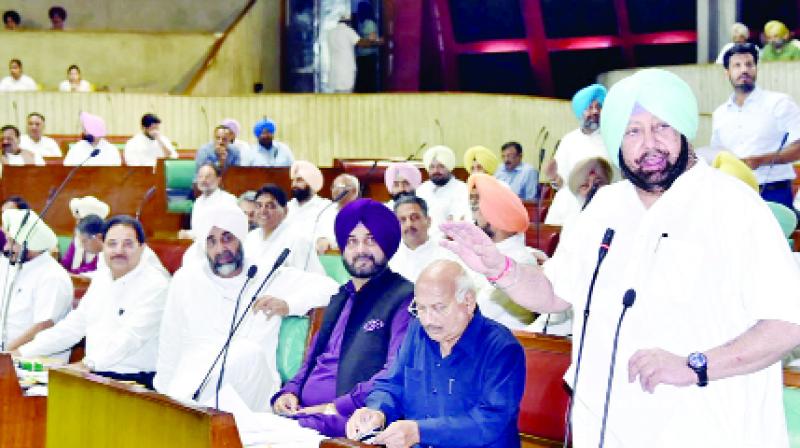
x=83, y=86
x=411, y=262
x=575, y=147
x=141, y=150
x=206, y=202
x=119, y=318
x=24, y=84
x=265, y=252
x=198, y=317
x=699, y=287
x=79, y=151
x=307, y=218
x=757, y=128
x=494, y=303
x=40, y=291
x=19, y=160
x=342, y=42
x=45, y=147
x=448, y=202
x=148, y=256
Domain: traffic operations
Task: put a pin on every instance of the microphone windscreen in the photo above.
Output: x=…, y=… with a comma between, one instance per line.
x=94, y=152
x=281, y=258
x=251, y=272
x=629, y=298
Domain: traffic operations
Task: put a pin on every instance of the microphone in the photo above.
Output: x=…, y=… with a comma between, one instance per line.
x=772, y=161
x=251, y=272
x=590, y=194
x=147, y=195
x=627, y=302
x=335, y=200
x=205, y=115
x=415, y=153
x=365, y=179
x=603, y=251
x=441, y=132
x=23, y=252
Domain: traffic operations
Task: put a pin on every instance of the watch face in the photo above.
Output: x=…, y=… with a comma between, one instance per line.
x=697, y=360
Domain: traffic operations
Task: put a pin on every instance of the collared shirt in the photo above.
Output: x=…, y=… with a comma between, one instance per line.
x=320, y=387
x=80, y=151
x=410, y=262
x=279, y=155
x=695, y=290
x=119, y=318
x=141, y=150
x=469, y=398
x=24, y=84
x=40, y=290
x=757, y=128
x=523, y=180
x=19, y=159
x=45, y=147
x=445, y=203
x=197, y=320
x=207, y=154
x=494, y=303
x=789, y=52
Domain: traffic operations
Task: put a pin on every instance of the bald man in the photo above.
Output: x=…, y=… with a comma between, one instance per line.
x=347, y=189
x=458, y=379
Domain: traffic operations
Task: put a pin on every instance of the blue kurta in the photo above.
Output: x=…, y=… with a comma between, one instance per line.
x=468, y=399
x=523, y=180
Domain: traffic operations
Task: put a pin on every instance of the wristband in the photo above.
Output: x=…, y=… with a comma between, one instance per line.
x=503, y=273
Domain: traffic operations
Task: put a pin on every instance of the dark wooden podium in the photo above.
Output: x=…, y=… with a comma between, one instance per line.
x=22, y=419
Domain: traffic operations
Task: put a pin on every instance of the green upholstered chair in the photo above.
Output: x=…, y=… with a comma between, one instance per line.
x=291, y=345
x=334, y=268
x=179, y=176
x=63, y=244
x=791, y=404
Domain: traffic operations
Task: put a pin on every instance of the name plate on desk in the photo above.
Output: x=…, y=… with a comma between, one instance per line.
x=86, y=410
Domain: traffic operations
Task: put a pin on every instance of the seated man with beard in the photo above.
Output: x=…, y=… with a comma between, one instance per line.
x=208, y=295
x=401, y=178
x=362, y=328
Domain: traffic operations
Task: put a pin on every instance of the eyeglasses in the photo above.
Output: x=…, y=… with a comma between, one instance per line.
x=439, y=310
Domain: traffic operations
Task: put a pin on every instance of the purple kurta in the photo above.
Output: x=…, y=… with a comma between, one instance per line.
x=86, y=266
x=320, y=387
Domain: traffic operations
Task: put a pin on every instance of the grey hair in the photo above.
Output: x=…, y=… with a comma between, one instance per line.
x=464, y=284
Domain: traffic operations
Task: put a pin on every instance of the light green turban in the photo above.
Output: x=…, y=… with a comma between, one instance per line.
x=42, y=238
x=660, y=92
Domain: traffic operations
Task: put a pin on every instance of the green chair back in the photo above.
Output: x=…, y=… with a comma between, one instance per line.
x=791, y=404
x=63, y=244
x=291, y=345
x=335, y=268
x=179, y=174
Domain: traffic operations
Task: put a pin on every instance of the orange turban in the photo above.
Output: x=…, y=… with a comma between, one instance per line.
x=500, y=206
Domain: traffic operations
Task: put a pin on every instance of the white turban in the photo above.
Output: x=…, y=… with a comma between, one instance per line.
x=41, y=238
x=309, y=173
x=226, y=217
x=88, y=205
x=443, y=154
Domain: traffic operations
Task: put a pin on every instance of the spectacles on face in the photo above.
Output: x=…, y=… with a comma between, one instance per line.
x=438, y=310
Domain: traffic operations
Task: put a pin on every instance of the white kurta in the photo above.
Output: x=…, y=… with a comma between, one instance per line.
x=495, y=304
x=197, y=319
x=302, y=253
x=40, y=291
x=83, y=86
x=575, y=147
x=119, y=318
x=698, y=287
x=449, y=202
x=141, y=150
x=19, y=160
x=24, y=84
x=342, y=42
x=45, y=147
x=108, y=156
x=307, y=219
x=411, y=262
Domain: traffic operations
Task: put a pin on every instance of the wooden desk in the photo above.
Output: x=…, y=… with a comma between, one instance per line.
x=22, y=419
x=342, y=443
x=86, y=411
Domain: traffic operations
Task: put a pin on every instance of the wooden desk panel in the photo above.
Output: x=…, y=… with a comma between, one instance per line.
x=88, y=411
x=22, y=419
